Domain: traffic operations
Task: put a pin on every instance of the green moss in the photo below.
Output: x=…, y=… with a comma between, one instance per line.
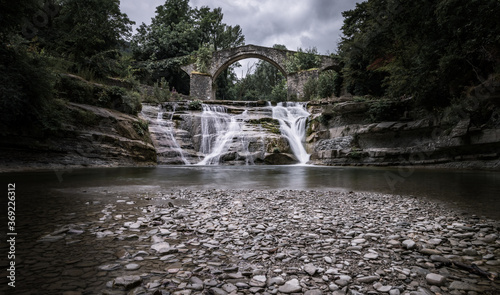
x=270, y=124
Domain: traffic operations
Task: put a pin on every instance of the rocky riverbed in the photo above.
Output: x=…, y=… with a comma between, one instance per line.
x=144, y=241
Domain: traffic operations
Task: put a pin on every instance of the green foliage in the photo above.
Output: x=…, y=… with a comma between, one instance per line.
x=265, y=83
x=311, y=89
x=203, y=57
x=302, y=60
x=141, y=127
x=178, y=30
x=161, y=92
x=386, y=110
x=26, y=87
x=195, y=104
x=328, y=83
x=75, y=89
x=430, y=50
x=279, y=92
x=86, y=28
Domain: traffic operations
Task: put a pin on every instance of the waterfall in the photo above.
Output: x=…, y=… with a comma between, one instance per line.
x=166, y=127
x=293, y=120
x=224, y=138
x=219, y=130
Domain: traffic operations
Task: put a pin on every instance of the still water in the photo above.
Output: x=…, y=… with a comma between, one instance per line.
x=472, y=192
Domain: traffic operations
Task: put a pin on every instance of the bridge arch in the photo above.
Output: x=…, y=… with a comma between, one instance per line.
x=245, y=56
x=202, y=84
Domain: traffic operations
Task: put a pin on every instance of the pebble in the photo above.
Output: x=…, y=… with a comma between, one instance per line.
x=266, y=242
x=291, y=286
x=435, y=279
x=409, y=244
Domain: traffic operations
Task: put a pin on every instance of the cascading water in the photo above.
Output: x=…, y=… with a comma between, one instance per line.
x=219, y=129
x=293, y=119
x=223, y=136
x=166, y=127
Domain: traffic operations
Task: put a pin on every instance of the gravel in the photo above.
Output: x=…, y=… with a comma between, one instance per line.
x=278, y=242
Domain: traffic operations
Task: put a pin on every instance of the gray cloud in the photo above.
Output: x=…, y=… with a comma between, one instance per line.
x=293, y=23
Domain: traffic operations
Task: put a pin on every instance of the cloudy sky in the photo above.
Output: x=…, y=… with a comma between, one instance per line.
x=293, y=23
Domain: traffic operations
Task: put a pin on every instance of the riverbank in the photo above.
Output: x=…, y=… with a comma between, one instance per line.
x=139, y=240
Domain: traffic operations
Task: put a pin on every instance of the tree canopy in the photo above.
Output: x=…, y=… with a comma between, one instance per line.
x=430, y=50
x=179, y=30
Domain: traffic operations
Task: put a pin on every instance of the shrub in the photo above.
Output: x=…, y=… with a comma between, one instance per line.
x=195, y=104
x=161, y=92
x=311, y=89
x=279, y=92
x=386, y=109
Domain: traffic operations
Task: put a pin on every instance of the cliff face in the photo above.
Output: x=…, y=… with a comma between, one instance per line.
x=340, y=133
x=92, y=136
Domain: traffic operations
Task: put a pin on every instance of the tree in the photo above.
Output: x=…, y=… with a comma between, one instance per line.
x=303, y=60
x=87, y=27
x=431, y=50
x=177, y=30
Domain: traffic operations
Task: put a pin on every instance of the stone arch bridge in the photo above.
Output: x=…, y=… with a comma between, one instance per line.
x=202, y=84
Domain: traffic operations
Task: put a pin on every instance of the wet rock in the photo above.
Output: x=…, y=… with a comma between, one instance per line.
x=132, y=266
x=127, y=282
x=109, y=267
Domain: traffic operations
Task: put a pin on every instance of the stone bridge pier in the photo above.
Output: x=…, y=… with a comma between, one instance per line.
x=202, y=84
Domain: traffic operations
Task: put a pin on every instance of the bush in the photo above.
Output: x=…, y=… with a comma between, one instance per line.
x=386, y=110
x=195, y=105
x=311, y=89
x=26, y=88
x=279, y=92
x=161, y=92
x=113, y=97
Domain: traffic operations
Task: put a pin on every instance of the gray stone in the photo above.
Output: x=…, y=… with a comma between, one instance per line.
x=127, y=282
x=218, y=291
x=462, y=286
x=258, y=281
x=310, y=269
x=228, y=287
x=430, y=251
x=435, y=279
x=132, y=266
x=291, y=286
x=371, y=256
x=381, y=288
x=109, y=267
x=368, y=279
x=313, y=292
x=275, y=281
x=409, y=244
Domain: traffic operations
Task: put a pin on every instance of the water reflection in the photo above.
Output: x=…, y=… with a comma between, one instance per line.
x=472, y=191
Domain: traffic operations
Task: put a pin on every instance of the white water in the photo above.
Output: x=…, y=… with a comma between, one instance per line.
x=166, y=127
x=220, y=130
x=293, y=120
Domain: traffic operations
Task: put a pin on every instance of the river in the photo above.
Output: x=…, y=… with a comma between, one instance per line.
x=473, y=192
